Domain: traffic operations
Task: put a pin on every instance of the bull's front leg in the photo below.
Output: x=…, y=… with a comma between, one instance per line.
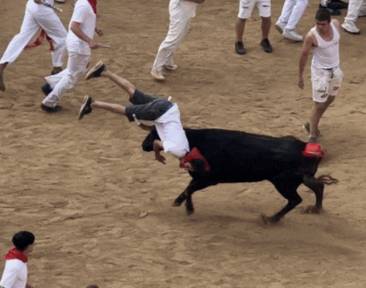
x=193, y=186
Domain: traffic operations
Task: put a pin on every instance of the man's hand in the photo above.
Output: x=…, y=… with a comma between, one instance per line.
x=160, y=157
x=301, y=82
x=157, y=147
x=99, y=32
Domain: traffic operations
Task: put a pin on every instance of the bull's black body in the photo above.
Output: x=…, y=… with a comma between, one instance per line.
x=236, y=156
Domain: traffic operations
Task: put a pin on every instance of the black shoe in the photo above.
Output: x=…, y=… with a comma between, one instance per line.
x=333, y=12
x=239, y=48
x=340, y=4
x=46, y=89
x=95, y=71
x=85, y=107
x=266, y=45
x=48, y=109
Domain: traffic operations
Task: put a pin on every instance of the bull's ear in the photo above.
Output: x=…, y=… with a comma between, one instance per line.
x=148, y=143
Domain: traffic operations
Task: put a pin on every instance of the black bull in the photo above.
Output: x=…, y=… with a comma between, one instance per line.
x=236, y=156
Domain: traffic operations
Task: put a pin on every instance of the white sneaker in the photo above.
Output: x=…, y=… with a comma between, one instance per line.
x=171, y=67
x=350, y=27
x=292, y=35
x=280, y=27
x=157, y=75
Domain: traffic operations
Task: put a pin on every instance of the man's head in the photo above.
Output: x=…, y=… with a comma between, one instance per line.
x=23, y=241
x=323, y=18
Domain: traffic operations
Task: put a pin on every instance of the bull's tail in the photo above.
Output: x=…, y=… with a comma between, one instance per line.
x=327, y=179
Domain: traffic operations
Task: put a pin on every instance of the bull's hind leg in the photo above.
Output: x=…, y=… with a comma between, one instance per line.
x=318, y=188
x=287, y=187
x=193, y=186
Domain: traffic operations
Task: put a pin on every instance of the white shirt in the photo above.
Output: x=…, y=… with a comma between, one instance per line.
x=326, y=53
x=39, y=8
x=187, y=7
x=15, y=274
x=83, y=14
x=171, y=132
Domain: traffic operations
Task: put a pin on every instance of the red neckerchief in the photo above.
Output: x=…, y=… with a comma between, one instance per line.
x=16, y=254
x=93, y=3
x=194, y=154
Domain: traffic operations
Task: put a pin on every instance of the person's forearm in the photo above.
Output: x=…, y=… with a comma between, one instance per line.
x=75, y=28
x=302, y=64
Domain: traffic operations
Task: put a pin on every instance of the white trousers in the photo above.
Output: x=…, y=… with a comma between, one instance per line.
x=33, y=21
x=67, y=78
x=354, y=8
x=292, y=12
x=180, y=19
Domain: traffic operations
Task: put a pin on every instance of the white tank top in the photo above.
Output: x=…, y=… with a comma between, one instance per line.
x=326, y=54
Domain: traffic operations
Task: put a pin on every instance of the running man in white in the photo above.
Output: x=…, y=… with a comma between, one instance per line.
x=326, y=75
x=291, y=14
x=37, y=17
x=79, y=42
x=16, y=271
x=180, y=12
x=245, y=12
x=356, y=8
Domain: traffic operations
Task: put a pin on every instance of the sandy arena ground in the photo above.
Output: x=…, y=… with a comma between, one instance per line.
x=101, y=208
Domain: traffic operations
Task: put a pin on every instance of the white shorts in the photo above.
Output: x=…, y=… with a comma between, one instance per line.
x=246, y=8
x=325, y=83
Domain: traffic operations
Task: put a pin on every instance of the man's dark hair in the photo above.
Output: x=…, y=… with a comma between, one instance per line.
x=23, y=239
x=323, y=15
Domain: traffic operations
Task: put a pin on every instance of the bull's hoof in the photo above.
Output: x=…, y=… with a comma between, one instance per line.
x=189, y=212
x=176, y=203
x=312, y=210
x=268, y=220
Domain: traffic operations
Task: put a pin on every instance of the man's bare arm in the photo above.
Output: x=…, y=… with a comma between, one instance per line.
x=308, y=45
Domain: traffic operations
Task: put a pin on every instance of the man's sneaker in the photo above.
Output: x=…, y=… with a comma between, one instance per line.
x=46, y=89
x=85, y=107
x=49, y=109
x=56, y=70
x=239, y=48
x=95, y=71
x=350, y=27
x=171, y=67
x=292, y=35
x=157, y=75
x=266, y=45
x=280, y=27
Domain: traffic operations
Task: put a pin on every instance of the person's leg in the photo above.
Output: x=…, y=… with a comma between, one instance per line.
x=287, y=8
x=349, y=24
x=120, y=81
x=76, y=68
x=297, y=13
x=16, y=46
x=178, y=28
x=245, y=11
x=56, y=31
x=264, y=7
x=316, y=113
x=239, y=29
x=266, y=26
x=115, y=108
